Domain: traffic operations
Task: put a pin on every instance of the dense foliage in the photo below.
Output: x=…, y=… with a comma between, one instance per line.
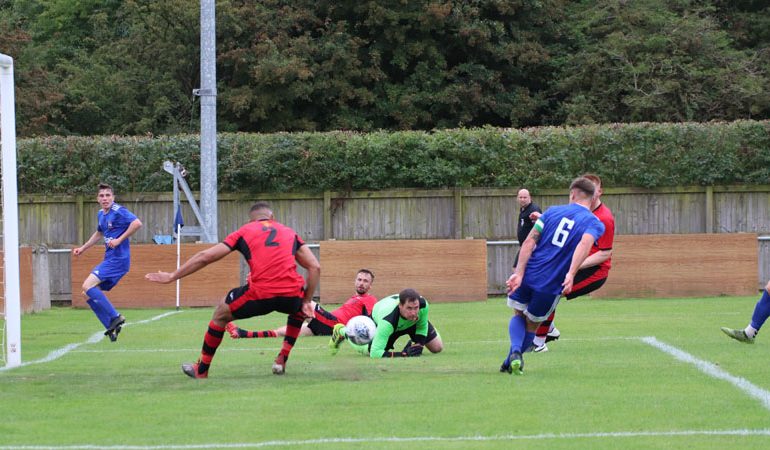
x=128, y=67
x=635, y=155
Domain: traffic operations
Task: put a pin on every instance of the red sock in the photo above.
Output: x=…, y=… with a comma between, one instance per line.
x=293, y=326
x=261, y=334
x=211, y=342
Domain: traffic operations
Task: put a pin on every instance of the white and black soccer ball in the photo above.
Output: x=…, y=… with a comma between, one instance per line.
x=360, y=330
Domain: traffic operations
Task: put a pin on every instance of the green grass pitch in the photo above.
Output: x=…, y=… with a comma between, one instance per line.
x=601, y=386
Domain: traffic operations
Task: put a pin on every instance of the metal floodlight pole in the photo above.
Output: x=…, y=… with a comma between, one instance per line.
x=10, y=213
x=208, y=95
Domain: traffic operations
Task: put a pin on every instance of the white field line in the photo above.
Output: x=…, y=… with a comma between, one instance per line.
x=712, y=370
x=96, y=337
x=391, y=439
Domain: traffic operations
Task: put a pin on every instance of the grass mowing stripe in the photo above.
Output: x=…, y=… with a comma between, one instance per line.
x=300, y=347
x=391, y=439
x=712, y=370
x=96, y=337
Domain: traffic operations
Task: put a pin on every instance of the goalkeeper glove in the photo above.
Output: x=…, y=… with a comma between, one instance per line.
x=414, y=350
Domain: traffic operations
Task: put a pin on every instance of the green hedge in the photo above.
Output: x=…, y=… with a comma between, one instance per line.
x=631, y=155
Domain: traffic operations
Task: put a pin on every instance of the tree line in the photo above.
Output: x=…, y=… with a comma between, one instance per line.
x=128, y=67
x=644, y=155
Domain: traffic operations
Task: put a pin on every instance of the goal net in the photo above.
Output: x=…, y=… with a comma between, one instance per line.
x=10, y=298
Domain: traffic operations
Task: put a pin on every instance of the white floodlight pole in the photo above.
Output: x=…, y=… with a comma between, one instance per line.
x=208, y=95
x=11, y=214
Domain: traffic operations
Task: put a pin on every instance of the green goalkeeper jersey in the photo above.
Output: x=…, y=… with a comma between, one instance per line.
x=389, y=321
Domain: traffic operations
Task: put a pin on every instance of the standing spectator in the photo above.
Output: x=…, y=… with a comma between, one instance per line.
x=115, y=224
x=528, y=214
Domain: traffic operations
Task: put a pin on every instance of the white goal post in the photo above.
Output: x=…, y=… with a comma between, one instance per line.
x=10, y=216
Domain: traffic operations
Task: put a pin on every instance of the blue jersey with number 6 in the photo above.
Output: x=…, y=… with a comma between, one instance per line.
x=561, y=229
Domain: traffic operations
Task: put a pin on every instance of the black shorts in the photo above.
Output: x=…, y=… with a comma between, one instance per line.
x=587, y=281
x=323, y=322
x=319, y=328
x=242, y=307
x=412, y=332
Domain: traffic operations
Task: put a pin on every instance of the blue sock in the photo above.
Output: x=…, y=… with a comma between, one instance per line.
x=528, y=339
x=101, y=306
x=517, y=329
x=96, y=307
x=761, y=311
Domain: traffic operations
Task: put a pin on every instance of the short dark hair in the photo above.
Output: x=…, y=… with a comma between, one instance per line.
x=593, y=177
x=584, y=185
x=103, y=186
x=371, y=274
x=260, y=206
x=406, y=295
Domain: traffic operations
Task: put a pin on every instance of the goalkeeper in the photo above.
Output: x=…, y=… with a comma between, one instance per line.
x=405, y=313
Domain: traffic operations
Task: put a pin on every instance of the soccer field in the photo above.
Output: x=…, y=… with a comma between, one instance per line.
x=625, y=374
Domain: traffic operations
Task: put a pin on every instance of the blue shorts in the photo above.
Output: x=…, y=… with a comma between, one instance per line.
x=537, y=306
x=110, y=271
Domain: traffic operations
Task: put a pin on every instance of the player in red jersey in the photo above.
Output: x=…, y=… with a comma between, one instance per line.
x=593, y=272
x=323, y=322
x=272, y=251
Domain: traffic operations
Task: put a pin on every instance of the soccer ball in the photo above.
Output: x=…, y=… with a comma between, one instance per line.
x=360, y=330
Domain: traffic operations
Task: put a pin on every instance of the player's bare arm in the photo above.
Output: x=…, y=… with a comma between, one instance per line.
x=527, y=248
x=306, y=259
x=580, y=254
x=596, y=259
x=96, y=237
x=514, y=281
x=192, y=265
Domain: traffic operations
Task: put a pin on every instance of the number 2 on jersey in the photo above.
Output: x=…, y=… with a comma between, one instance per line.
x=562, y=232
x=269, y=242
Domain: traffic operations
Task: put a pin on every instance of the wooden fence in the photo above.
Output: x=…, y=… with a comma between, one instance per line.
x=490, y=214
x=61, y=222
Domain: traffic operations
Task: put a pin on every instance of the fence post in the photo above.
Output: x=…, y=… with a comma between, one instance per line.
x=79, y=213
x=459, y=229
x=328, y=215
x=41, y=279
x=709, y=209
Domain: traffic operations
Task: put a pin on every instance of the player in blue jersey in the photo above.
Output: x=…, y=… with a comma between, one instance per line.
x=758, y=318
x=115, y=224
x=548, y=261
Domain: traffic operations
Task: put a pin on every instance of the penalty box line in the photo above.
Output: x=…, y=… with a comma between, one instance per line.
x=712, y=370
x=96, y=337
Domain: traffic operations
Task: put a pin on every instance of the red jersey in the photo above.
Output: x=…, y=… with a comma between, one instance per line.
x=605, y=241
x=357, y=305
x=269, y=248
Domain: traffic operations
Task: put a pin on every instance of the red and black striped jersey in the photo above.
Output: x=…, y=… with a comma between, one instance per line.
x=606, y=240
x=269, y=248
